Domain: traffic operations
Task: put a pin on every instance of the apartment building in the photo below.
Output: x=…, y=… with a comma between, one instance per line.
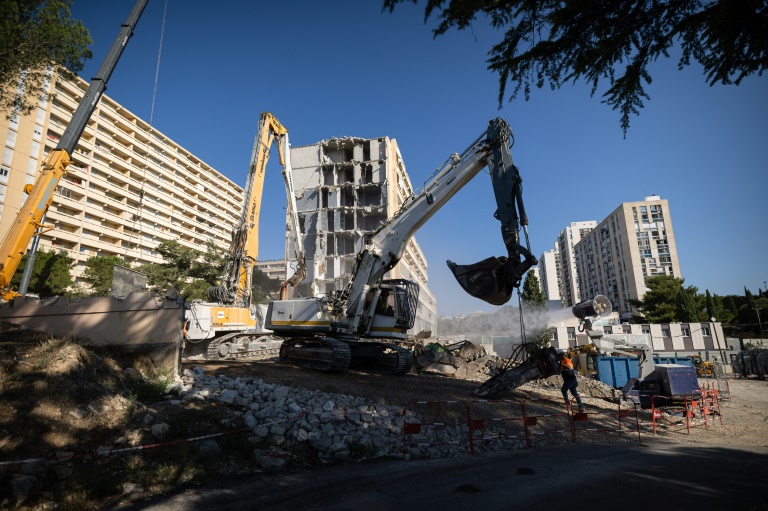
x=128, y=188
x=550, y=276
x=569, y=276
x=273, y=268
x=634, y=242
x=346, y=188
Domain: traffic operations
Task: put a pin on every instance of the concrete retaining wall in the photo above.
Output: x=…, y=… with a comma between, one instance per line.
x=141, y=322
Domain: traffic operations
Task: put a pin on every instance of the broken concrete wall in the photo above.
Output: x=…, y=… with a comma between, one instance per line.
x=341, y=197
x=141, y=322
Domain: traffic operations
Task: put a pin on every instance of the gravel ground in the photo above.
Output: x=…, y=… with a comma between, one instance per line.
x=744, y=417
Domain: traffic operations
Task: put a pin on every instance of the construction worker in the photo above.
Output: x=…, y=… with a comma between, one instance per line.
x=569, y=380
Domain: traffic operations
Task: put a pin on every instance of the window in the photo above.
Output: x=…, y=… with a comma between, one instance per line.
x=32, y=165
x=10, y=140
x=7, y=156
x=646, y=329
x=40, y=118
x=571, y=333
x=553, y=333
x=686, y=330
x=34, y=148
x=607, y=329
x=627, y=329
x=705, y=330
x=665, y=331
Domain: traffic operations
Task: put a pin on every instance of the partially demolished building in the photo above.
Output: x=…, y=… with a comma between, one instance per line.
x=346, y=188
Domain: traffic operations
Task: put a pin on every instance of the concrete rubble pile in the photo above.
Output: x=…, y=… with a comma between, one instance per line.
x=330, y=426
x=458, y=359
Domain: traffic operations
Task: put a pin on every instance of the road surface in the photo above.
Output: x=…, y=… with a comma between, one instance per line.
x=622, y=478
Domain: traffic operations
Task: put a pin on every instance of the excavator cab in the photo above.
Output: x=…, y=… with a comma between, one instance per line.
x=395, y=310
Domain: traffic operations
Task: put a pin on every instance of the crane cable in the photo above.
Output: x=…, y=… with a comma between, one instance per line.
x=151, y=118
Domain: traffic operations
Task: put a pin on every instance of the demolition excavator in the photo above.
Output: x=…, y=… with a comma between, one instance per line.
x=525, y=366
x=662, y=381
x=229, y=320
x=360, y=325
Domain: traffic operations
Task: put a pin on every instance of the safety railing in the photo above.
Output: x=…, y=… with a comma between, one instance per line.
x=672, y=412
x=435, y=423
x=547, y=417
x=497, y=422
x=721, y=385
x=622, y=420
x=709, y=408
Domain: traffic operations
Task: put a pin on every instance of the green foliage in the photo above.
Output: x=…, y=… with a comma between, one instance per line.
x=35, y=34
x=98, y=273
x=190, y=272
x=687, y=309
x=177, y=255
x=50, y=275
x=175, y=271
x=552, y=43
x=195, y=290
x=263, y=288
x=210, y=265
x=532, y=294
x=710, y=306
x=659, y=304
x=542, y=340
x=160, y=276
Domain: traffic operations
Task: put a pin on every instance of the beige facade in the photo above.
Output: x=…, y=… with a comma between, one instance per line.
x=634, y=242
x=570, y=293
x=346, y=188
x=273, y=268
x=128, y=188
x=550, y=276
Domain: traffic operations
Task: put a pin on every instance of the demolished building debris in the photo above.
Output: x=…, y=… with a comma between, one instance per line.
x=346, y=188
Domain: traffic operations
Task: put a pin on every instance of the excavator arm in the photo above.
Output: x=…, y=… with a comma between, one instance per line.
x=491, y=280
x=235, y=288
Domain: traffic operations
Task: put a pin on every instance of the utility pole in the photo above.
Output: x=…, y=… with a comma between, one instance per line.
x=757, y=310
x=719, y=346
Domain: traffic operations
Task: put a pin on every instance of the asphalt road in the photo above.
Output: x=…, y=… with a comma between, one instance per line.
x=572, y=477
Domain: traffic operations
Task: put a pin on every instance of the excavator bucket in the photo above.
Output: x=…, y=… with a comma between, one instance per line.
x=487, y=280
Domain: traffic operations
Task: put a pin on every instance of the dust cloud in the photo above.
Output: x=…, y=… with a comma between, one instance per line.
x=503, y=329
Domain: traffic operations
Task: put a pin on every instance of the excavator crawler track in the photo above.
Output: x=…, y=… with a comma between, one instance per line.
x=321, y=353
x=239, y=346
x=381, y=356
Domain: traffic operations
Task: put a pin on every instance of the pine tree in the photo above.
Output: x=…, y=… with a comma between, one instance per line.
x=532, y=294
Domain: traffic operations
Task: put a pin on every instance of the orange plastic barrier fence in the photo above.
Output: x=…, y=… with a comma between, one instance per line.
x=502, y=420
x=426, y=423
x=626, y=420
x=543, y=417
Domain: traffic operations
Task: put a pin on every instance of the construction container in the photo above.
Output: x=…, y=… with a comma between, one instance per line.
x=676, y=380
x=617, y=371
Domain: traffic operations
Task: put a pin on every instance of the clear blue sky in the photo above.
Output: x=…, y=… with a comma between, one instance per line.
x=344, y=68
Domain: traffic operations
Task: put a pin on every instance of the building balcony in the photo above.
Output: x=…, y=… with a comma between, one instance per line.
x=55, y=216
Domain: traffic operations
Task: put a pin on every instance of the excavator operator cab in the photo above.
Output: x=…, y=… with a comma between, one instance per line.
x=395, y=311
